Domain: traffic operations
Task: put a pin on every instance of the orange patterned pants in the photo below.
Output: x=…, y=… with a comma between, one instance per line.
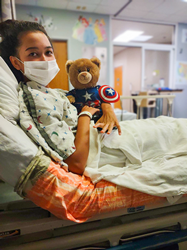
x=73, y=197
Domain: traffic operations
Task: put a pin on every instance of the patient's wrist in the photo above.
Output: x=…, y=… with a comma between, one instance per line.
x=85, y=113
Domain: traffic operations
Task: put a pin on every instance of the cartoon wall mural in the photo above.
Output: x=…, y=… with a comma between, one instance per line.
x=88, y=32
x=46, y=22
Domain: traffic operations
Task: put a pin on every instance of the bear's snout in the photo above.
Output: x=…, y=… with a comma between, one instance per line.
x=84, y=77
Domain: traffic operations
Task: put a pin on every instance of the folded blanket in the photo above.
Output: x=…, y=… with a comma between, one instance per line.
x=150, y=156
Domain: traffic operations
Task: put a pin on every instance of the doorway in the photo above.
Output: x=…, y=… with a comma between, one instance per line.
x=129, y=61
x=118, y=84
x=61, y=79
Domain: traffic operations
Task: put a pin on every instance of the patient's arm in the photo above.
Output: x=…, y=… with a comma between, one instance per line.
x=108, y=119
x=77, y=161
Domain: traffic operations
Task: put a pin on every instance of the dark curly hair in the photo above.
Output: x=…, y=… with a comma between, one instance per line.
x=11, y=32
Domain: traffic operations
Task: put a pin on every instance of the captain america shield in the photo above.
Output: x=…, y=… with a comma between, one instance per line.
x=108, y=94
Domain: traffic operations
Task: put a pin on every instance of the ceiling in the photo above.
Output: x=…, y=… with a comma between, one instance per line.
x=167, y=11
x=150, y=14
x=160, y=33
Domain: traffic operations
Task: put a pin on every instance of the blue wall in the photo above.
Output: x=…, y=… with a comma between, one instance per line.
x=63, y=23
x=180, y=102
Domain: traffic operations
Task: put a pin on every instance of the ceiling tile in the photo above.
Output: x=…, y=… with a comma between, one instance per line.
x=145, y=5
x=114, y=2
x=73, y=6
x=85, y=1
x=155, y=16
x=132, y=13
x=182, y=12
x=111, y=10
x=170, y=6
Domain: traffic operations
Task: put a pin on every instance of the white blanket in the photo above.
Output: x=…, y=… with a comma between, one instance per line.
x=150, y=156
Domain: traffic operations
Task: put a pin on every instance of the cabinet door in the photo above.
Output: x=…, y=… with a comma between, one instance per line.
x=61, y=79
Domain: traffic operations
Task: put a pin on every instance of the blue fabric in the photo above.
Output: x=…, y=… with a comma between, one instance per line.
x=89, y=97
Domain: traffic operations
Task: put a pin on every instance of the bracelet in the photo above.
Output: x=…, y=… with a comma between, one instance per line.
x=85, y=113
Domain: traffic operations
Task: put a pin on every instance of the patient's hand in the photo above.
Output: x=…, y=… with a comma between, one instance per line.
x=108, y=120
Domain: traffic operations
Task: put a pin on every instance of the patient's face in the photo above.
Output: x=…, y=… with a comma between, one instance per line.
x=35, y=46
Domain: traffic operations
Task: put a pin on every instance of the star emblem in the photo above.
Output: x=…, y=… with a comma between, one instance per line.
x=87, y=96
x=110, y=91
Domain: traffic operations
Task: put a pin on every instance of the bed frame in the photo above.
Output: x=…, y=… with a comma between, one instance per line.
x=25, y=226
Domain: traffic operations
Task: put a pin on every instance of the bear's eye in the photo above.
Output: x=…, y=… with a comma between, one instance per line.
x=88, y=69
x=79, y=70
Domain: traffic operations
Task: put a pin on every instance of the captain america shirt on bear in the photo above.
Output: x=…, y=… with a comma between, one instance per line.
x=93, y=97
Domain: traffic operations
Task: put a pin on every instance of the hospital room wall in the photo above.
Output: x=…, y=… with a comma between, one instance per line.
x=63, y=22
x=131, y=61
x=180, y=102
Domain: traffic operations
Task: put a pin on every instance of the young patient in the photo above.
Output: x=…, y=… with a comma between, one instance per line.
x=29, y=50
x=144, y=158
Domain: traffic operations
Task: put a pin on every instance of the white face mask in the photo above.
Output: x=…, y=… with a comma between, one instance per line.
x=41, y=72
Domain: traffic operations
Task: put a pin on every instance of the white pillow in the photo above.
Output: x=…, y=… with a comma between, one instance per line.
x=9, y=105
x=16, y=151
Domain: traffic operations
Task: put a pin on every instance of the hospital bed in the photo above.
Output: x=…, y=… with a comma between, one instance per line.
x=23, y=225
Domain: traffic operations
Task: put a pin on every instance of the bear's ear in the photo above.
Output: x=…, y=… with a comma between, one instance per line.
x=96, y=61
x=68, y=64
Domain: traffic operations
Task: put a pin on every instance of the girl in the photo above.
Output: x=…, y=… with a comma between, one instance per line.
x=129, y=159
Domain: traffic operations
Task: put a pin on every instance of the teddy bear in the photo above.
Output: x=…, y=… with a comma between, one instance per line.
x=84, y=74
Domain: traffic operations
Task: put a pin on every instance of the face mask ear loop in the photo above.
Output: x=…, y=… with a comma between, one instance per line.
x=19, y=59
x=21, y=62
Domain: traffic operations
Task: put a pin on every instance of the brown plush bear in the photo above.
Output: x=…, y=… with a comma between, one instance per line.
x=84, y=75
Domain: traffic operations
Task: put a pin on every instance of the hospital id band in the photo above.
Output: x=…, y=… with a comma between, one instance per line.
x=85, y=113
